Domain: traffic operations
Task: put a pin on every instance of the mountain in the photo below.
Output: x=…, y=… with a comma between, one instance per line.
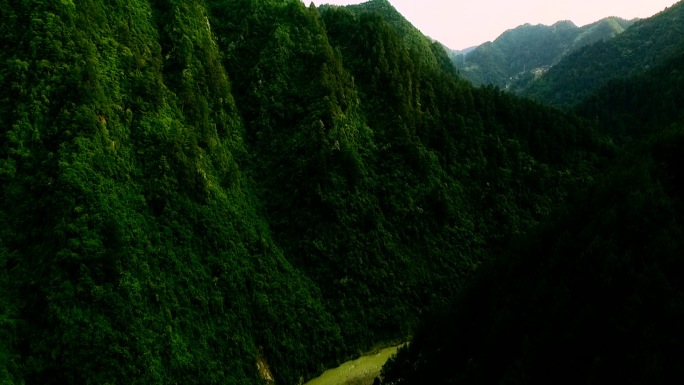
x=454, y=53
x=592, y=295
x=132, y=248
x=636, y=107
x=646, y=44
x=248, y=191
x=379, y=151
x=414, y=39
x=520, y=55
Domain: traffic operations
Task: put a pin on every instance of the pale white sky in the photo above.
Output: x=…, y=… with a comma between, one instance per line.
x=460, y=24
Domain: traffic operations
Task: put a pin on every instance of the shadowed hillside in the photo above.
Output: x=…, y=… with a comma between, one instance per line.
x=194, y=190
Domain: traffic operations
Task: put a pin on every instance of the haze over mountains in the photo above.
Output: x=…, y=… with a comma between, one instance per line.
x=579, y=60
x=647, y=44
x=522, y=54
x=251, y=191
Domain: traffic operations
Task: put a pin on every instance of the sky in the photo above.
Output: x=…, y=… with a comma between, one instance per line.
x=461, y=24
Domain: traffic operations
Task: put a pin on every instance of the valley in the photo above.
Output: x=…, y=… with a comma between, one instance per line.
x=360, y=371
x=255, y=191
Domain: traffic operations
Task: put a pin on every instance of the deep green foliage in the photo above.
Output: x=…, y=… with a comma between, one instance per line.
x=410, y=35
x=635, y=107
x=189, y=187
x=134, y=249
x=592, y=295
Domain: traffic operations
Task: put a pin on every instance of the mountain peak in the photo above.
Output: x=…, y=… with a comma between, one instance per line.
x=376, y=5
x=567, y=24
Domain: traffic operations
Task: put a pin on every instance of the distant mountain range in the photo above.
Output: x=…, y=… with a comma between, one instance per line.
x=525, y=52
x=563, y=64
x=647, y=44
x=456, y=52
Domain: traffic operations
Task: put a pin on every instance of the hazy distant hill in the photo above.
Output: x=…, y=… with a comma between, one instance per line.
x=454, y=53
x=520, y=54
x=646, y=44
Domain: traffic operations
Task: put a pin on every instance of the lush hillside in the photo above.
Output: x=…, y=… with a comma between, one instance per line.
x=414, y=40
x=601, y=30
x=645, y=45
x=132, y=247
x=631, y=108
x=380, y=156
x=194, y=191
x=520, y=55
x=594, y=295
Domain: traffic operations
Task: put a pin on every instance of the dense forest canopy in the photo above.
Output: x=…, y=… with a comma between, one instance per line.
x=245, y=191
x=601, y=298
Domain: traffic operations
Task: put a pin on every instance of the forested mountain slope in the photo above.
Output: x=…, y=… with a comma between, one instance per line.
x=645, y=45
x=519, y=55
x=190, y=188
x=380, y=153
x=634, y=107
x=593, y=295
x=410, y=35
x=132, y=247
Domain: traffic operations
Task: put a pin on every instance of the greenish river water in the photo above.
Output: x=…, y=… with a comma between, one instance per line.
x=361, y=371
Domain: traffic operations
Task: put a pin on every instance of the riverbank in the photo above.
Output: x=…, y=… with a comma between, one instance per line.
x=361, y=371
